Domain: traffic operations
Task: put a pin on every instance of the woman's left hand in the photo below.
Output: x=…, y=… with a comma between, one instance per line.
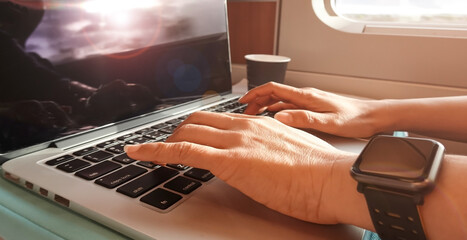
x=286, y=169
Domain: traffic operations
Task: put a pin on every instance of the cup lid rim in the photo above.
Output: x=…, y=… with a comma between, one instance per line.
x=267, y=58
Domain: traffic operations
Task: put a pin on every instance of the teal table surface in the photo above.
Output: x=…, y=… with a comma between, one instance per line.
x=25, y=215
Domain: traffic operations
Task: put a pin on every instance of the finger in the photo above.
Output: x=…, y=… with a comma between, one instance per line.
x=283, y=92
x=281, y=106
x=190, y=154
x=260, y=104
x=212, y=119
x=304, y=119
x=202, y=135
x=243, y=116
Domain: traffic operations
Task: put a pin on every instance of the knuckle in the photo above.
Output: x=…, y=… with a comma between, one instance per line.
x=185, y=127
x=247, y=123
x=183, y=151
x=299, y=91
x=326, y=121
x=271, y=84
x=311, y=92
x=194, y=115
x=238, y=137
x=338, y=122
x=306, y=117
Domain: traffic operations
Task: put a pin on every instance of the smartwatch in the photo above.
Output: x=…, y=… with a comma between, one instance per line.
x=394, y=174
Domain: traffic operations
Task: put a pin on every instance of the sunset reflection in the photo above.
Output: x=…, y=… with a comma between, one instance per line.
x=116, y=6
x=119, y=27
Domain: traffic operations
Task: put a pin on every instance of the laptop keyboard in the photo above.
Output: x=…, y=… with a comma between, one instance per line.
x=107, y=165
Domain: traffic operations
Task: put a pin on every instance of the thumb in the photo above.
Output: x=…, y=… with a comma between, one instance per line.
x=303, y=119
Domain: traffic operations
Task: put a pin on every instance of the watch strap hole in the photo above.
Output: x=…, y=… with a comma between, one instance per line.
x=396, y=227
x=395, y=215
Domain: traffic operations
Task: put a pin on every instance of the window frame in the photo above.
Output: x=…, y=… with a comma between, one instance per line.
x=323, y=45
x=325, y=10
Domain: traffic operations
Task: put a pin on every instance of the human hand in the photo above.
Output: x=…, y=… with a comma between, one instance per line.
x=286, y=169
x=315, y=109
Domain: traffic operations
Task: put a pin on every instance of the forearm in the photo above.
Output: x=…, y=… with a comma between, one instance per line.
x=444, y=212
x=437, y=117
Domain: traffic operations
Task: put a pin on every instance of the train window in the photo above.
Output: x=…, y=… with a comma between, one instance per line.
x=333, y=50
x=440, y=12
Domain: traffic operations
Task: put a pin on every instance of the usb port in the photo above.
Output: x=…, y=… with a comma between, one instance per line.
x=63, y=201
x=29, y=185
x=11, y=177
x=43, y=192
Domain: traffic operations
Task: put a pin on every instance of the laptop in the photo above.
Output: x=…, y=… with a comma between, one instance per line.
x=80, y=79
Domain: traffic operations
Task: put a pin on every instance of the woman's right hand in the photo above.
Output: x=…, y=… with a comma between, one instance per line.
x=312, y=108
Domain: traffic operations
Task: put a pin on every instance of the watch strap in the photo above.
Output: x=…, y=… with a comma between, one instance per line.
x=395, y=215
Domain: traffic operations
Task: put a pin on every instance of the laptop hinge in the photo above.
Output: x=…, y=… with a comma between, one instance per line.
x=133, y=123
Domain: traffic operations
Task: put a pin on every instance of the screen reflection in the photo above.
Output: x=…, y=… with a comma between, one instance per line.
x=70, y=66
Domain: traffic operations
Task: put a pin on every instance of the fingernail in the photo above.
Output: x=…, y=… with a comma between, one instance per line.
x=131, y=148
x=283, y=117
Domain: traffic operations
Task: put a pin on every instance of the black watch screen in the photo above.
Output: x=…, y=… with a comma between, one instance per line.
x=396, y=157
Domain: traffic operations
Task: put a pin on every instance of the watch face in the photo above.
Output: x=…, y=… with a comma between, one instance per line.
x=402, y=158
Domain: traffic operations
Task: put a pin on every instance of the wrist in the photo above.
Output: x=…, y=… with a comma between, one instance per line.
x=342, y=199
x=386, y=115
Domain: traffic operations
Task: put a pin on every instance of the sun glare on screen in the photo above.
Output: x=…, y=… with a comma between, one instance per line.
x=115, y=6
x=116, y=12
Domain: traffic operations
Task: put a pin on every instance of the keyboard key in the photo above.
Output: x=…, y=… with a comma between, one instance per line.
x=147, y=164
x=72, y=166
x=117, y=149
x=178, y=166
x=59, y=160
x=137, y=140
x=175, y=121
x=211, y=109
x=161, y=198
x=230, y=107
x=199, y=174
x=168, y=130
x=143, y=184
x=160, y=125
x=124, y=159
x=126, y=136
x=237, y=104
x=98, y=156
x=268, y=114
x=154, y=135
x=98, y=170
x=120, y=176
x=220, y=109
x=144, y=131
x=183, y=185
x=107, y=143
x=85, y=151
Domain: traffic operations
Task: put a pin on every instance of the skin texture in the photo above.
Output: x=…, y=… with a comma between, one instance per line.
x=443, y=117
x=302, y=176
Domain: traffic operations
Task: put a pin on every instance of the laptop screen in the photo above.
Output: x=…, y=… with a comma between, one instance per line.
x=71, y=66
